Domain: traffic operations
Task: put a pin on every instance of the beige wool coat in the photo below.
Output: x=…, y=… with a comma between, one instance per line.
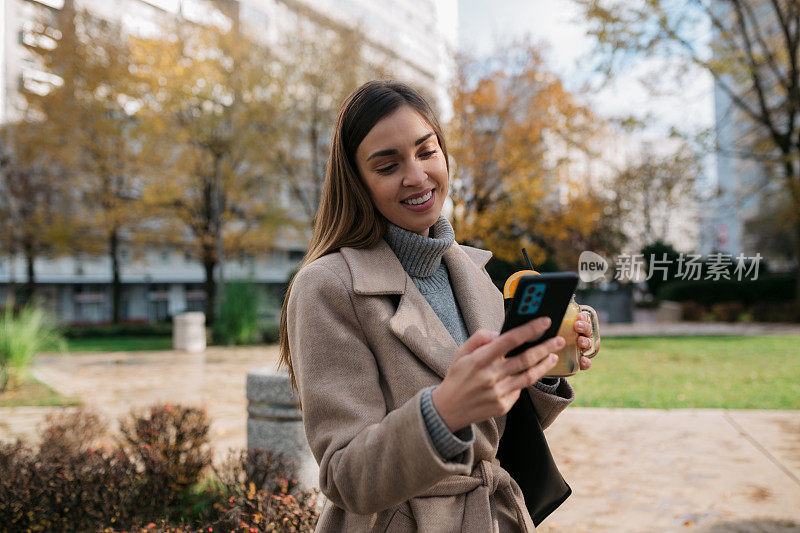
x=364, y=344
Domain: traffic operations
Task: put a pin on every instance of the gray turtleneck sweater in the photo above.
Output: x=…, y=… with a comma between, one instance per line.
x=421, y=258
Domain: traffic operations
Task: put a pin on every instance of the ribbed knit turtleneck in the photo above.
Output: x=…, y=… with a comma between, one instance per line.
x=421, y=256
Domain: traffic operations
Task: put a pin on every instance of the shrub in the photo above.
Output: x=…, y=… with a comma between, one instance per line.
x=169, y=443
x=67, y=485
x=727, y=311
x=22, y=336
x=776, y=312
x=264, y=495
x=77, y=430
x=270, y=332
x=238, y=316
x=657, y=251
x=692, y=311
x=148, y=482
x=768, y=288
x=132, y=329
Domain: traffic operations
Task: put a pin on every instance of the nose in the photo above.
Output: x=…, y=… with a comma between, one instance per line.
x=415, y=175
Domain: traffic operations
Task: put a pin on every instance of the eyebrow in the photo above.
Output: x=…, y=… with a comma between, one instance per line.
x=393, y=151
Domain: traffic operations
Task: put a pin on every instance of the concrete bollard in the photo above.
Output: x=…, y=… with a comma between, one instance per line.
x=189, y=332
x=275, y=423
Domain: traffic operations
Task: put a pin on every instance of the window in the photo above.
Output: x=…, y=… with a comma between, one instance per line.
x=158, y=311
x=158, y=302
x=90, y=303
x=40, y=82
x=195, y=297
x=166, y=5
x=55, y=4
x=37, y=35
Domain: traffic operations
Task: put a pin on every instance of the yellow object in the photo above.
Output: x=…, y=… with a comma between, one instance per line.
x=513, y=280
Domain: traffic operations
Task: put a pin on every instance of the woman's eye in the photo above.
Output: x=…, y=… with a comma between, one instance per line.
x=427, y=154
x=385, y=170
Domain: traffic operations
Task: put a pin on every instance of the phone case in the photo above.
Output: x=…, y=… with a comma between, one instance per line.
x=536, y=296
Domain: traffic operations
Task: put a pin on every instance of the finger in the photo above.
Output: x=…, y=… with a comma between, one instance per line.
x=583, y=327
x=532, y=356
x=584, y=343
x=585, y=363
x=514, y=337
x=529, y=376
x=475, y=341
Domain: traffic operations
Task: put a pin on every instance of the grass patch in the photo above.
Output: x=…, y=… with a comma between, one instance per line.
x=118, y=344
x=693, y=372
x=33, y=392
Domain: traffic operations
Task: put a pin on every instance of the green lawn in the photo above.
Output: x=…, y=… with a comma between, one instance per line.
x=33, y=392
x=119, y=344
x=681, y=372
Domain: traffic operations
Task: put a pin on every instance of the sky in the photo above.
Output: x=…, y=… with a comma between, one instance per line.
x=557, y=25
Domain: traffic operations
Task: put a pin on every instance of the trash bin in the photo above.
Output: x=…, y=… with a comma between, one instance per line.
x=189, y=332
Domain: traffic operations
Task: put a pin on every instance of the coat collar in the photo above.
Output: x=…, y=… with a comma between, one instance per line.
x=377, y=271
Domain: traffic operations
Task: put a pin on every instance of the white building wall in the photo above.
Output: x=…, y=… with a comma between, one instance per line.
x=5, y=20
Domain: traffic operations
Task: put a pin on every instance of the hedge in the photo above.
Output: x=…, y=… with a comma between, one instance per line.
x=769, y=288
x=159, y=329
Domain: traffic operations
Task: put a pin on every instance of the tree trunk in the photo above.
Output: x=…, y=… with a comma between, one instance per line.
x=116, y=283
x=211, y=289
x=11, y=292
x=30, y=285
x=794, y=191
x=797, y=259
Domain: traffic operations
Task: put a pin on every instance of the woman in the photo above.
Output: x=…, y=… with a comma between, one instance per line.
x=389, y=331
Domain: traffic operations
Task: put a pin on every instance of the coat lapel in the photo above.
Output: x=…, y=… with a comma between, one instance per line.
x=418, y=327
x=481, y=303
x=414, y=322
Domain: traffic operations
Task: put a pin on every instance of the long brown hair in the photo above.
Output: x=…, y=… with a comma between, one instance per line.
x=346, y=215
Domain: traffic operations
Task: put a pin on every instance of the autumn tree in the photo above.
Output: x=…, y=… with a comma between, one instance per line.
x=209, y=118
x=651, y=189
x=35, y=213
x=325, y=64
x=87, y=120
x=753, y=57
x=515, y=138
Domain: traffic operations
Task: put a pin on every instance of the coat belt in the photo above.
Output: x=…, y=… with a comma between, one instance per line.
x=486, y=478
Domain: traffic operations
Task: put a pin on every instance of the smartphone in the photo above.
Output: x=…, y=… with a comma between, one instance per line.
x=537, y=296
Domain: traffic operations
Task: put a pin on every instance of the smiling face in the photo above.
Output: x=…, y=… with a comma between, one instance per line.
x=403, y=168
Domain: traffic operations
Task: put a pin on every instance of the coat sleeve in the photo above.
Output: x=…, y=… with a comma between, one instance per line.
x=370, y=460
x=548, y=406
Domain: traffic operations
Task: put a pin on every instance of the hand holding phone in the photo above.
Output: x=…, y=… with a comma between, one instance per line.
x=537, y=296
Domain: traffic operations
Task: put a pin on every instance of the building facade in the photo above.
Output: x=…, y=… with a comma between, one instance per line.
x=416, y=39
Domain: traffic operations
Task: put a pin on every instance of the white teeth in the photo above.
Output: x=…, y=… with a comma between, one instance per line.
x=420, y=200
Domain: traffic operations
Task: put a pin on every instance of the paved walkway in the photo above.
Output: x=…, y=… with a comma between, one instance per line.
x=631, y=470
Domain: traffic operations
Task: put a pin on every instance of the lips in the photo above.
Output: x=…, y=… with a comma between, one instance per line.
x=419, y=198
x=422, y=203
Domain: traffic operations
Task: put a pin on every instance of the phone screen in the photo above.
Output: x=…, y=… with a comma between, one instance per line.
x=537, y=296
